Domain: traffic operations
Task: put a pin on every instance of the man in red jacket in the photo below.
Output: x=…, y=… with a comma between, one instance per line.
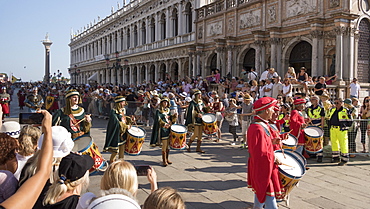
x=263, y=174
x=297, y=123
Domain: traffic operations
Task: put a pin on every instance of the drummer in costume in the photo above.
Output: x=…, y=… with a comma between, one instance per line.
x=161, y=128
x=4, y=101
x=194, y=120
x=340, y=121
x=263, y=174
x=118, y=124
x=34, y=101
x=285, y=111
x=21, y=97
x=73, y=117
x=297, y=123
x=316, y=115
x=52, y=100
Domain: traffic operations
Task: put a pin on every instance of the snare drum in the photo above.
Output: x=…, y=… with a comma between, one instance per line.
x=314, y=139
x=135, y=140
x=85, y=145
x=291, y=170
x=298, y=155
x=290, y=143
x=209, y=124
x=178, y=137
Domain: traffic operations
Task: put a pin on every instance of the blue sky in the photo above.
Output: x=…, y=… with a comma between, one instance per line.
x=24, y=23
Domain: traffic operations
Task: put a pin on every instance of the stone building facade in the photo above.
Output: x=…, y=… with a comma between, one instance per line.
x=142, y=40
x=327, y=37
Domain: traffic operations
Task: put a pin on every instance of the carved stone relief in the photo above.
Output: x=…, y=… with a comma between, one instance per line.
x=299, y=7
x=334, y=3
x=200, y=32
x=272, y=14
x=230, y=25
x=250, y=19
x=214, y=28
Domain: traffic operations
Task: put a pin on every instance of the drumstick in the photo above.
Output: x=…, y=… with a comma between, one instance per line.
x=79, y=121
x=287, y=165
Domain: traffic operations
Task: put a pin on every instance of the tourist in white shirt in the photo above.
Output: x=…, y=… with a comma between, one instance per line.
x=354, y=88
x=287, y=90
x=264, y=75
x=277, y=88
x=272, y=73
x=261, y=89
x=252, y=75
x=268, y=88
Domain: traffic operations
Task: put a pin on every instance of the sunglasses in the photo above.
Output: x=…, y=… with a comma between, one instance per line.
x=279, y=98
x=366, y=100
x=337, y=103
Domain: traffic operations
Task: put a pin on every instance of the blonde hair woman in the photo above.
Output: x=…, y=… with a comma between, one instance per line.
x=290, y=74
x=73, y=174
x=164, y=198
x=27, y=145
x=120, y=174
x=120, y=178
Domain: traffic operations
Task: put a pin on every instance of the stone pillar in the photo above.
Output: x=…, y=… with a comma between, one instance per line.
x=139, y=33
x=156, y=71
x=138, y=74
x=347, y=55
x=147, y=72
x=197, y=66
x=356, y=37
x=168, y=23
x=317, y=52
x=229, y=59
x=131, y=75
x=191, y=73
x=181, y=23
x=157, y=27
x=132, y=38
x=119, y=41
x=47, y=43
x=99, y=47
x=258, y=56
x=147, y=30
x=273, y=42
x=125, y=39
x=339, y=30
x=263, y=58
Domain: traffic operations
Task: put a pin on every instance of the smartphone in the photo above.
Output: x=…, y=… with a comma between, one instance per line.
x=142, y=170
x=31, y=118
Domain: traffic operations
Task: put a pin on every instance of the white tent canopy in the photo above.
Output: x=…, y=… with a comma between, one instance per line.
x=94, y=77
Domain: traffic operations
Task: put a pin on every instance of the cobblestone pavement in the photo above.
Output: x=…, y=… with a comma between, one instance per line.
x=217, y=179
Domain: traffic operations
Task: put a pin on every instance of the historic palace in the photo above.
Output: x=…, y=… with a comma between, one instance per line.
x=145, y=39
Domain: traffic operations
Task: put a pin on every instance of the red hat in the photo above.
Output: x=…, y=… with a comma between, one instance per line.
x=299, y=101
x=276, y=108
x=264, y=103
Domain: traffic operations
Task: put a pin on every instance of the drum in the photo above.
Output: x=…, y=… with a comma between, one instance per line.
x=298, y=155
x=135, y=140
x=178, y=137
x=314, y=139
x=290, y=143
x=209, y=124
x=290, y=171
x=85, y=145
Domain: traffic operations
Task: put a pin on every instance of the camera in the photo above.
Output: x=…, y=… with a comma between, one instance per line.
x=31, y=118
x=142, y=170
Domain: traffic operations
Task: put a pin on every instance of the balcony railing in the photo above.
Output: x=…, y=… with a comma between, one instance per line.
x=219, y=6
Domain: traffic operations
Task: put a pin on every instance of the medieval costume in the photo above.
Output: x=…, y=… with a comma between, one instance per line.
x=34, y=101
x=73, y=117
x=52, y=100
x=21, y=97
x=194, y=120
x=4, y=101
x=162, y=126
x=263, y=173
x=118, y=124
x=297, y=122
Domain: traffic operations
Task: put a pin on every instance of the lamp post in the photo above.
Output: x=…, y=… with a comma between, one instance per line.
x=116, y=65
x=74, y=72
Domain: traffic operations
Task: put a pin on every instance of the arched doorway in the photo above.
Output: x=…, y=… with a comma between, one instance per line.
x=213, y=65
x=162, y=71
x=249, y=59
x=134, y=76
x=175, y=71
x=143, y=74
x=363, y=60
x=301, y=56
x=152, y=73
x=127, y=76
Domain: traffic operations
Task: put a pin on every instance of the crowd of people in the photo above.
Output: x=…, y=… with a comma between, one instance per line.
x=256, y=107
